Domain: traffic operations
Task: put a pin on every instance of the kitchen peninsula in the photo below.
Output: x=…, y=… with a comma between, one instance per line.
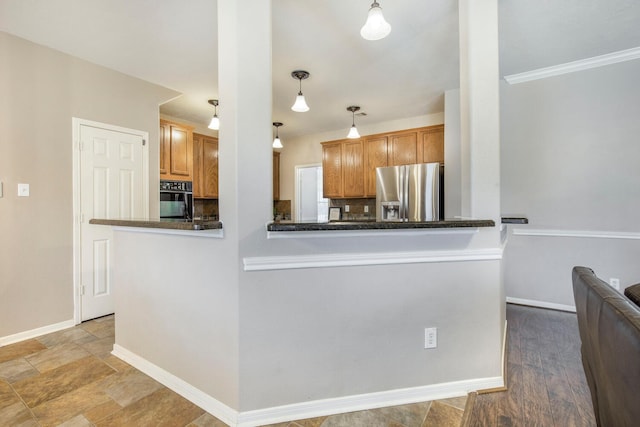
x=378, y=225
x=159, y=224
x=260, y=331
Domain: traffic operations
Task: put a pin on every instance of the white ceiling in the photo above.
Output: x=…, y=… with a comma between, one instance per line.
x=174, y=43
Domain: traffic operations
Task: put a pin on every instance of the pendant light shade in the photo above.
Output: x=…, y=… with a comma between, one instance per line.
x=300, y=105
x=376, y=27
x=215, y=121
x=276, y=142
x=353, y=131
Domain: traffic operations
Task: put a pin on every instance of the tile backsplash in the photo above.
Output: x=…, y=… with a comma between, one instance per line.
x=281, y=210
x=206, y=209
x=356, y=208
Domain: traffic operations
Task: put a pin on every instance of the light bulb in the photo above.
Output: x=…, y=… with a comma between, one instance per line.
x=277, y=143
x=376, y=27
x=215, y=123
x=300, y=105
x=353, y=133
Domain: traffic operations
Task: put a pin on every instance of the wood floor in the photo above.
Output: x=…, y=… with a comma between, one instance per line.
x=546, y=383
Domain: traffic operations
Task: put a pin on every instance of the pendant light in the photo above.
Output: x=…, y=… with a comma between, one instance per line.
x=276, y=142
x=353, y=132
x=300, y=105
x=376, y=27
x=215, y=121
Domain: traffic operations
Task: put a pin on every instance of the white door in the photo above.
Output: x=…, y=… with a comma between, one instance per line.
x=310, y=205
x=112, y=185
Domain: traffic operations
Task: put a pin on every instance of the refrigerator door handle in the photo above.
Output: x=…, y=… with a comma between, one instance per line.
x=404, y=194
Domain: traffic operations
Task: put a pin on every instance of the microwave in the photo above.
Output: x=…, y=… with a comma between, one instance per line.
x=176, y=200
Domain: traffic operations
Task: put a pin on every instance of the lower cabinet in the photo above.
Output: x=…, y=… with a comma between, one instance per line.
x=205, y=167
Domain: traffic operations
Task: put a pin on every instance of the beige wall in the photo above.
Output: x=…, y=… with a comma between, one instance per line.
x=42, y=89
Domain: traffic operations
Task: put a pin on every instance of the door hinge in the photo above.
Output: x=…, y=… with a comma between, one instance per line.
x=81, y=289
x=144, y=142
x=80, y=145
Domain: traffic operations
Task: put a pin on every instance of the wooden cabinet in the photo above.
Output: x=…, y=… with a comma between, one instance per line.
x=332, y=169
x=343, y=169
x=352, y=168
x=403, y=149
x=205, y=167
x=375, y=152
x=276, y=175
x=431, y=145
x=349, y=166
x=176, y=151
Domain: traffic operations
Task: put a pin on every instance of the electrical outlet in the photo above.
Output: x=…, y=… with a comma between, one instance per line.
x=430, y=337
x=615, y=283
x=366, y=209
x=346, y=208
x=23, y=190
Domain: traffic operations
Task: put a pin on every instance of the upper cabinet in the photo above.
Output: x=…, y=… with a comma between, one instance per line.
x=431, y=145
x=376, y=153
x=353, y=168
x=176, y=151
x=403, y=149
x=343, y=169
x=349, y=166
x=332, y=169
x=205, y=167
x=424, y=145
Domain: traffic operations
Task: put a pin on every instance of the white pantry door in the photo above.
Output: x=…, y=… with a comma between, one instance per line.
x=112, y=186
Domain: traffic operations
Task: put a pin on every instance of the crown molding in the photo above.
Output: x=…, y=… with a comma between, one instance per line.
x=575, y=66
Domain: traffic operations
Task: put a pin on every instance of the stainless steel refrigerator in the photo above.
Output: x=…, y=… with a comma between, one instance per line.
x=409, y=193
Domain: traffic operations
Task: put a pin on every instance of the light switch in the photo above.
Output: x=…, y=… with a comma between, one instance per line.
x=23, y=190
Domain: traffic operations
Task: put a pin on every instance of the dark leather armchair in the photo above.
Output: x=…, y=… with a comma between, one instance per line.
x=609, y=325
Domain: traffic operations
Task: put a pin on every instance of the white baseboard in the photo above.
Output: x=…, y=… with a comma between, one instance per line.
x=365, y=401
x=183, y=388
x=33, y=333
x=304, y=410
x=542, y=304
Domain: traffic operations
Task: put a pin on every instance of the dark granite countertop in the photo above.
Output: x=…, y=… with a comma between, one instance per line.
x=164, y=224
x=372, y=225
x=515, y=220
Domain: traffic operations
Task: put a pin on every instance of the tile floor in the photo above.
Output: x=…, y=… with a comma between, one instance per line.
x=69, y=378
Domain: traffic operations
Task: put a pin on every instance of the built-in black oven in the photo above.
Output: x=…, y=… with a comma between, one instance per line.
x=176, y=200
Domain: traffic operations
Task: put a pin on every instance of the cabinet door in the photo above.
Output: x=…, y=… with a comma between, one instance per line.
x=181, y=152
x=276, y=176
x=332, y=170
x=353, y=168
x=164, y=150
x=375, y=150
x=210, y=167
x=197, y=166
x=404, y=149
x=431, y=147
